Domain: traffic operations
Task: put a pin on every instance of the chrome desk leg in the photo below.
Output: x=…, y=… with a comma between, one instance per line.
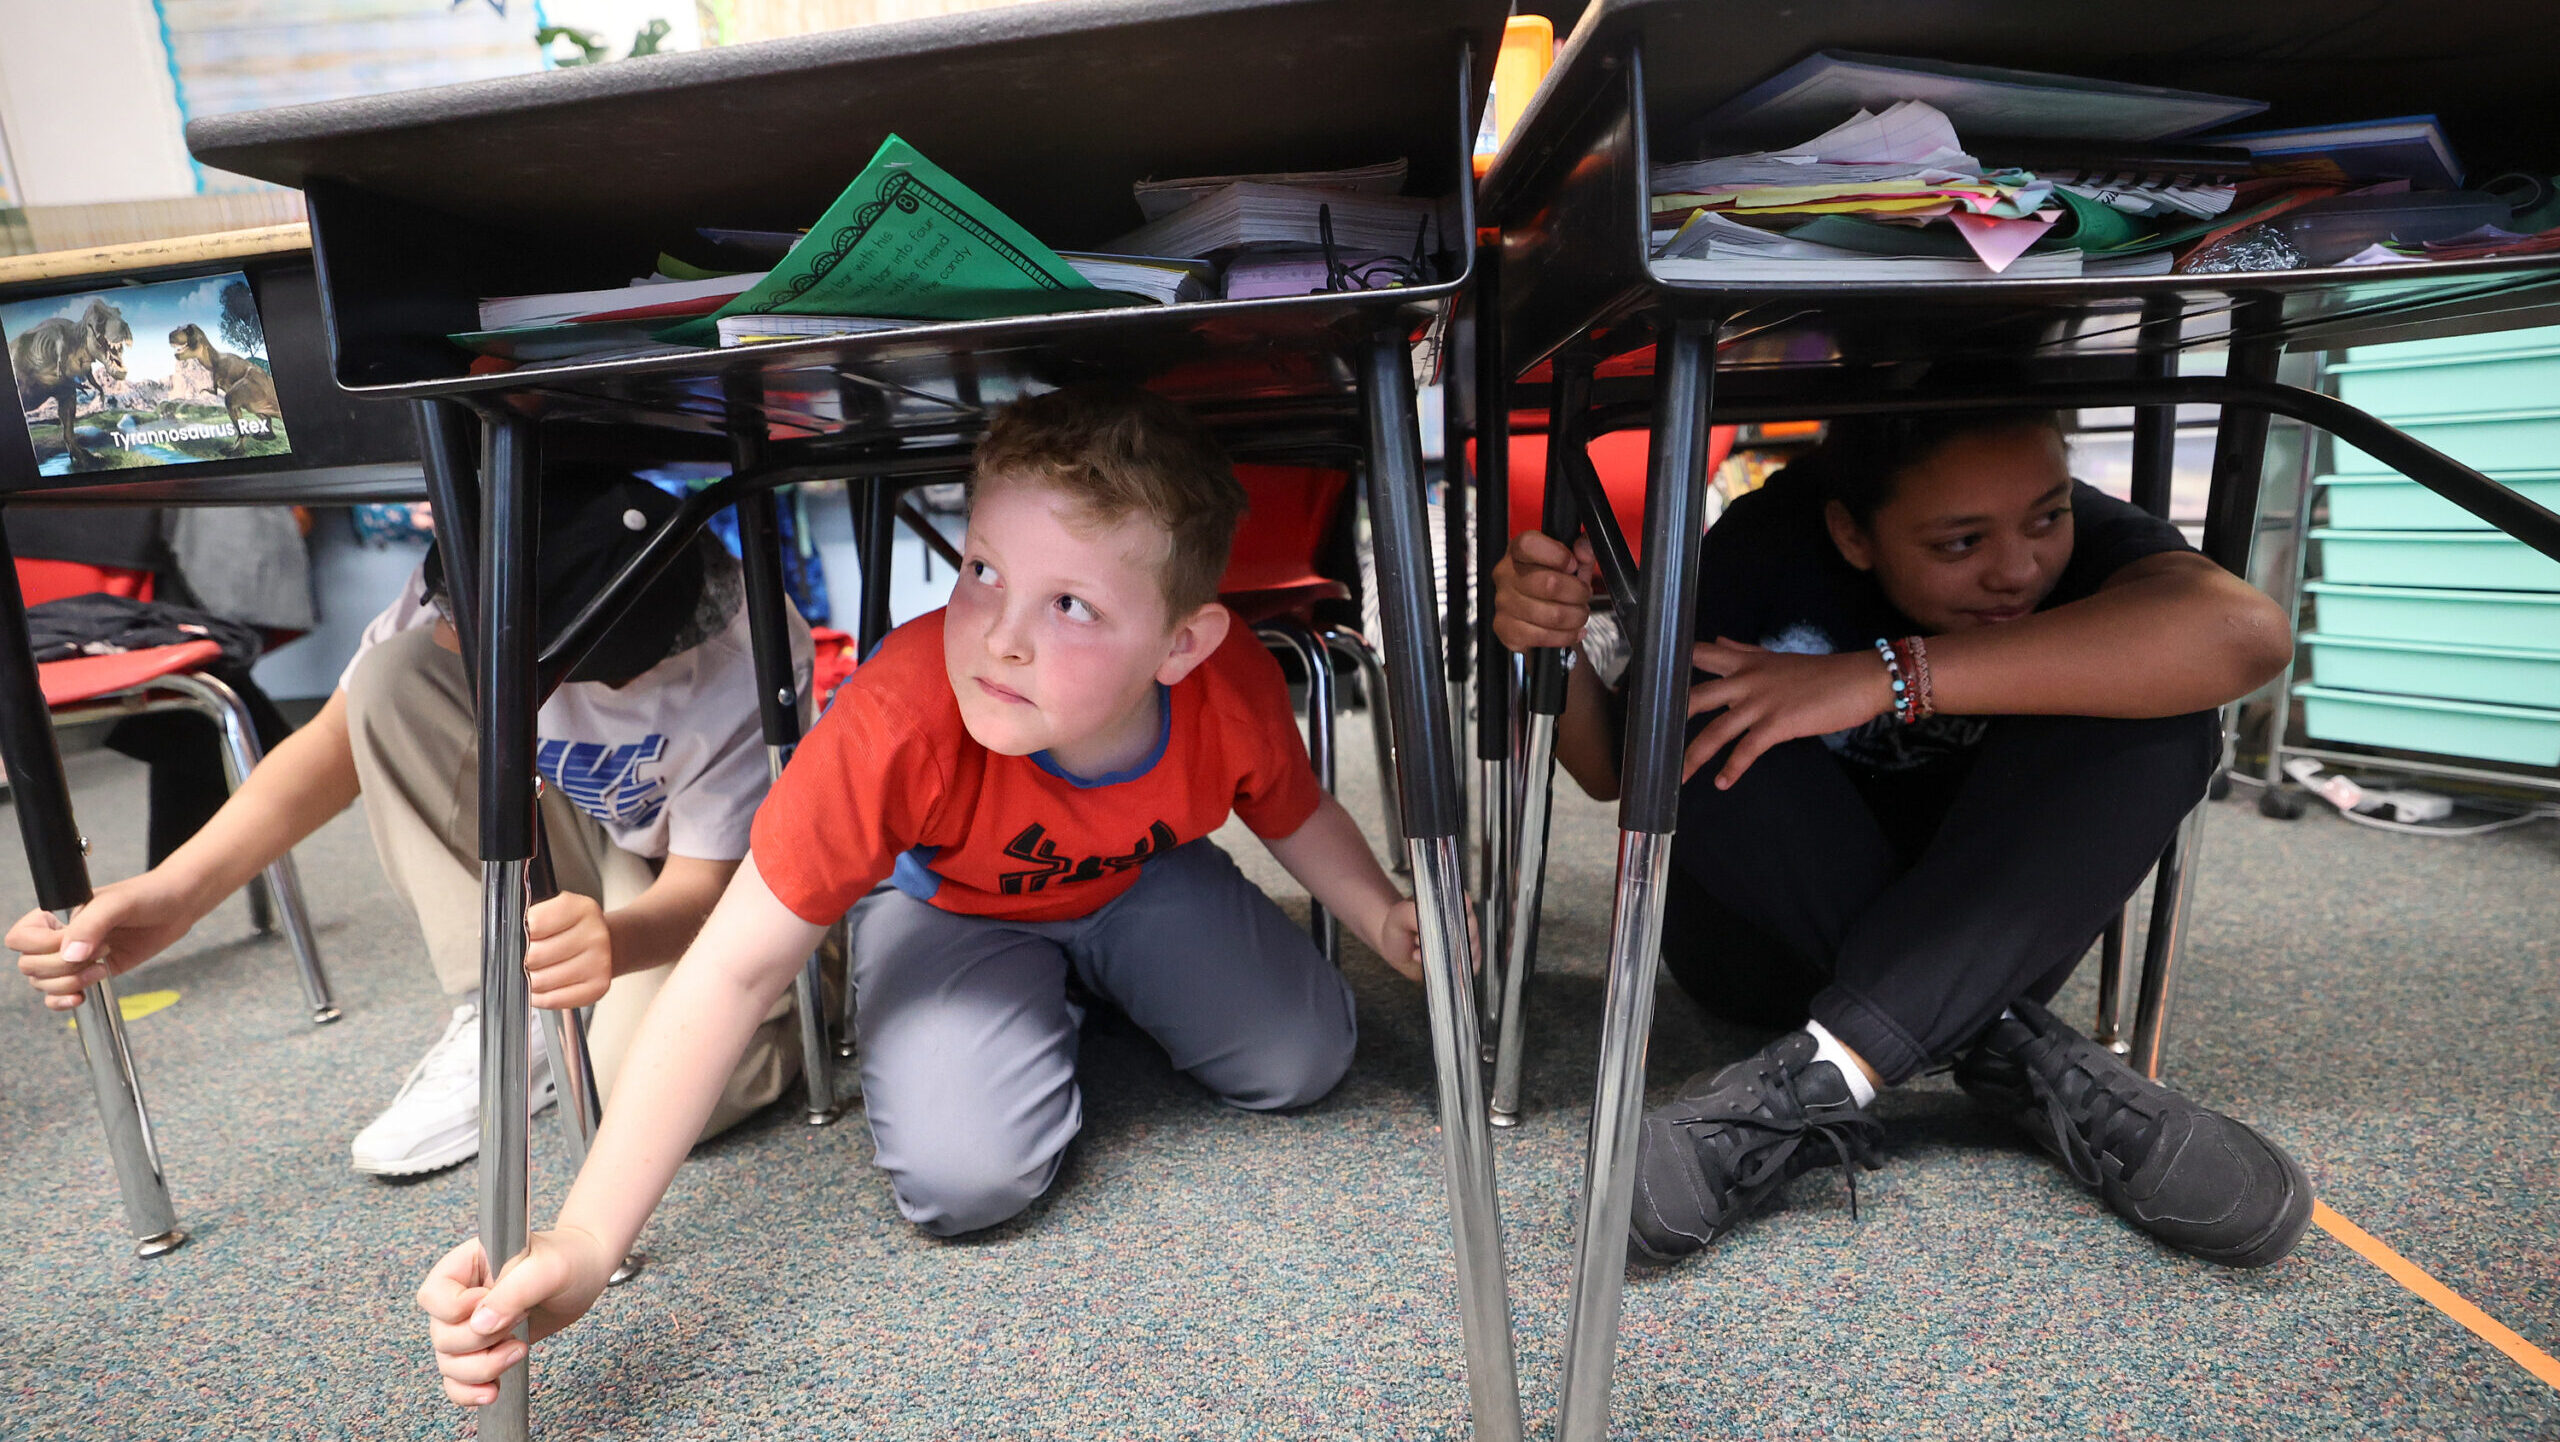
x=240, y=755
x=504, y=654
x=581, y=1104
x=1317, y=662
x=1426, y=772
x=136, y=1152
x=1569, y=402
x=57, y=862
x=1528, y=880
x=778, y=685
x=1648, y=811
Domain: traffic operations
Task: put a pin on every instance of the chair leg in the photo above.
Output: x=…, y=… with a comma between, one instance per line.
x=2108, y=1032
x=1289, y=634
x=262, y=906
x=281, y=881
x=1373, y=684
x=2172, y=900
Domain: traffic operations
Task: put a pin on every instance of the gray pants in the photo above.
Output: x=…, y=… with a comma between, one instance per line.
x=968, y=1037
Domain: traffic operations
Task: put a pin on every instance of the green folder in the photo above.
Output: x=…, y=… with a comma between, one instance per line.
x=907, y=240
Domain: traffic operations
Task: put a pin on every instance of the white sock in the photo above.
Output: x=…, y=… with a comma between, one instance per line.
x=1827, y=1047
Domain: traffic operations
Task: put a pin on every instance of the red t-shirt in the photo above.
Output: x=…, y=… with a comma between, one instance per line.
x=889, y=782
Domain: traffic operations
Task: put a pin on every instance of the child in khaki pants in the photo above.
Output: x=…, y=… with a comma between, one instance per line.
x=652, y=764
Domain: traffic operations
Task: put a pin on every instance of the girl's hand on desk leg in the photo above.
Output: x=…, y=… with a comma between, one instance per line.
x=1769, y=697
x=1542, y=592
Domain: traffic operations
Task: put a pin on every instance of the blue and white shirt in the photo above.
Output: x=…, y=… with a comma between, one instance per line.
x=674, y=762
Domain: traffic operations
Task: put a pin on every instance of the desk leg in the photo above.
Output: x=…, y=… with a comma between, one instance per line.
x=56, y=855
x=2230, y=539
x=1496, y=815
x=504, y=651
x=1648, y=808
x=1568, y=405
x=1426, y=773
x=778, y=702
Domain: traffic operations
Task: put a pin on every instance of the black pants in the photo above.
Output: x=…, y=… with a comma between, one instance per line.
x=1905, y=911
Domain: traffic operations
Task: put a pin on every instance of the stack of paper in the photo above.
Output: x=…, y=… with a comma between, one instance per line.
x=1257, y=213
x=1904, y=164
x=1160, y=198
x=754, y=329
x=651, y=299
x=1711, y=247
x=1157, y=278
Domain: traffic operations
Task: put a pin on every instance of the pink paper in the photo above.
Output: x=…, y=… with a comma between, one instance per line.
x=1998, y=241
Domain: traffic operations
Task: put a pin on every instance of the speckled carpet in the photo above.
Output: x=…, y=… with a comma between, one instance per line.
x=2384, y=1006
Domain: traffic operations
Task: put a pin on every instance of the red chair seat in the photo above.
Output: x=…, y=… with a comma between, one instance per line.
x=1271, y=571
x=82, y=678
x=1619, y=457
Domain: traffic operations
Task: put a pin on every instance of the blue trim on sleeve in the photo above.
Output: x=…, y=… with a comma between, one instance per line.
x=1164, y=737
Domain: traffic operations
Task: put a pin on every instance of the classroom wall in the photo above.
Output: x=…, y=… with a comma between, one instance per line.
x=87, y=102
x=768, y=19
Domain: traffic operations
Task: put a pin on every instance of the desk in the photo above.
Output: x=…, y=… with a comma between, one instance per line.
x=1569, y=192
x=421, y=203
x=346, y=450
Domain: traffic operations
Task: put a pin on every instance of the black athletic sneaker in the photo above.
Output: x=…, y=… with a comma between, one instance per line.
x=1725, y=1144
x=2190, y=1176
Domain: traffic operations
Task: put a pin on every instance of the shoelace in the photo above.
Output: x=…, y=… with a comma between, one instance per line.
x=1759, y=1162
x=2099, y=1123
x=454, y=1058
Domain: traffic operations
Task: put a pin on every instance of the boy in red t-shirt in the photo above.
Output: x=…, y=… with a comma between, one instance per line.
x=1010, y=792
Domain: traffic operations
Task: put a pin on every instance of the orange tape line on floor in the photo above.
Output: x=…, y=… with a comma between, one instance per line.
x=2400, y=1269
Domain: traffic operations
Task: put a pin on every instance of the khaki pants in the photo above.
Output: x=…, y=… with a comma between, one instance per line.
x=409, y=717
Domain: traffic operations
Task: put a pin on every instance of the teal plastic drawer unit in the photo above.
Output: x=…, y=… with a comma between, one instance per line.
x=2522, y=735
x=2521, y=379
x=2487, y=344
x=2396, y=503
x=2496, y=442
x=2462, y=560
x=2507, y=675
x=2526, y=619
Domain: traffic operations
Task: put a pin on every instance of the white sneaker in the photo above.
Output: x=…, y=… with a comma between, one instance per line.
x=435, y=1120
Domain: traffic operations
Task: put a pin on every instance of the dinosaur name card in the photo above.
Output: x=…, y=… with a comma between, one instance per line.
x=145, y=375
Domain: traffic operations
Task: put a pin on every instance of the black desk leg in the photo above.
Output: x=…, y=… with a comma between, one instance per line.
x=876, y=532
x=504, y=650
x=2230, y=538
x=1568, y=411
x=1497, y=807
x=1496, y=795
x=57, y=857
x=778, y=703
x=1648, y=808
x=1426, y=774
x=2155, y=443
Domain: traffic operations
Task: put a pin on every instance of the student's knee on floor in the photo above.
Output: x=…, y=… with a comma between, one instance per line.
x=962, y=1190
x=1280, y=1078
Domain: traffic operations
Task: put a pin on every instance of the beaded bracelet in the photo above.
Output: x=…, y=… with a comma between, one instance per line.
x=1901, y=687
x=1924, y=700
